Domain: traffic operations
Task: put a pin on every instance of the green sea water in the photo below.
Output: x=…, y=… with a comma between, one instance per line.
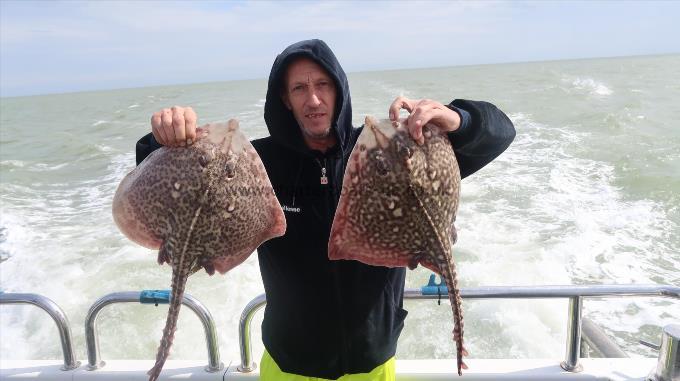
x=588, y=193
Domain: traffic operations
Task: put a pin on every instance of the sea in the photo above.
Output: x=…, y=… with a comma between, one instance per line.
x=587, y=194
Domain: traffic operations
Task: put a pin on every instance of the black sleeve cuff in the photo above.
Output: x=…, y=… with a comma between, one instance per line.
x=485, y=134
x=145, y=146
x=465, y=121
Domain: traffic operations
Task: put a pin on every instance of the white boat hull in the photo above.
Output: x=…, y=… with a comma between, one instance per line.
x=629, y=369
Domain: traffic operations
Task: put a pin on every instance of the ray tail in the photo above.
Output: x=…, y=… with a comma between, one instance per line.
x=180, y=273
x=448, y=273
x=443, y=259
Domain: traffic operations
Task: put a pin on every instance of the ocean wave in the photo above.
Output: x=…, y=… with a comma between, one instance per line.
x=99, y=122
x=43, y=167
x=589, y=85
x=544, y=207
x=104, y=148
x=389, y=90
x=11, y=234
x=4, y=254
x=32, y=167
x=13, y=163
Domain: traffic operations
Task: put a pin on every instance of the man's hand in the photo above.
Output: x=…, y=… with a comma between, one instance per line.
x=174, y=127
x=424, y=111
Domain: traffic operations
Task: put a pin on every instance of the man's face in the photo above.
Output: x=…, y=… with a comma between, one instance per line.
x=309, y=93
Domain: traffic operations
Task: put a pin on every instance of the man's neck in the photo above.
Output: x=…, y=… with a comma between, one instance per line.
x=322, y=144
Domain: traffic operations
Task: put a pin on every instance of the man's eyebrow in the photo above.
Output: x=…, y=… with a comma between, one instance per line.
x=298, y=82
x=307, y=80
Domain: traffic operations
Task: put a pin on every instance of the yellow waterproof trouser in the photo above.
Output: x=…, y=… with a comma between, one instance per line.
x=269, y=371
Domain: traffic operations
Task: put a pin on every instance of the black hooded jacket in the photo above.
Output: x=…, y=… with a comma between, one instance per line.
x=329, y=318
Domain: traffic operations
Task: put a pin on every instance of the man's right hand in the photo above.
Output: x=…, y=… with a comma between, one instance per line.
x=174, y=127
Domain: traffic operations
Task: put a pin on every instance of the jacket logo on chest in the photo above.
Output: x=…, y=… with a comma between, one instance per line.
x=287, y=208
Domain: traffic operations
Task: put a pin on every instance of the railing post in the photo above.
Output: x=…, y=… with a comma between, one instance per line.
x=668, y=365
x=573, y=349
x=57, y=315
x=247, y=364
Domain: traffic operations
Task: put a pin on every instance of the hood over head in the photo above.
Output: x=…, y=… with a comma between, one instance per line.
x=280, y=120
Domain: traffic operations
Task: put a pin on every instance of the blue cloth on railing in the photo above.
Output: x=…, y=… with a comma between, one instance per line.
x=154, y=297
x=433, y=288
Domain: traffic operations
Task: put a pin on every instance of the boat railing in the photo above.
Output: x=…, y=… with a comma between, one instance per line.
x=149, y=297
x=596, y=341
x=57, y=315
x=575, y=294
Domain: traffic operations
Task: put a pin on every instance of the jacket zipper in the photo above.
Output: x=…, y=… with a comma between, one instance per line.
x=330, y=200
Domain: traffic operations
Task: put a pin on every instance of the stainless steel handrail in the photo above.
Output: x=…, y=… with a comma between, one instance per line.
x=573, y=351
x=598, y=342
x=575, y=294
x=92, y=339
x=244, y=332
x=57, y=315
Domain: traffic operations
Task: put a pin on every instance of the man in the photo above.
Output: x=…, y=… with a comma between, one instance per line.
x=330, y=319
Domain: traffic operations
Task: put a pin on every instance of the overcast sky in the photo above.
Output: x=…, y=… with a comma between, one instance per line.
x=53, y=47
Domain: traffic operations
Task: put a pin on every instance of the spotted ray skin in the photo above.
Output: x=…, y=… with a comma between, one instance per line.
x=398, y=206
x=207, y=206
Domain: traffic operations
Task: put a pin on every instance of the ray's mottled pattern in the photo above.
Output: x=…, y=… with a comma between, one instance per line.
x=206, y=206
x=398, y=206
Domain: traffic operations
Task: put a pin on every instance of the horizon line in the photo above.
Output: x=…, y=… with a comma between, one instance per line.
x=348, y=73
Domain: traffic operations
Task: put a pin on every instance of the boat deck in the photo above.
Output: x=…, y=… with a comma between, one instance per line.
x=407, y=370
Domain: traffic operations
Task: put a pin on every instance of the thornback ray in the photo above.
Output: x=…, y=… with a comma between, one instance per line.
x=398, y=206
x=208, y=205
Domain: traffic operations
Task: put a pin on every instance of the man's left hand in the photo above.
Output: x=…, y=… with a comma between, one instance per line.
x=424, y=111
